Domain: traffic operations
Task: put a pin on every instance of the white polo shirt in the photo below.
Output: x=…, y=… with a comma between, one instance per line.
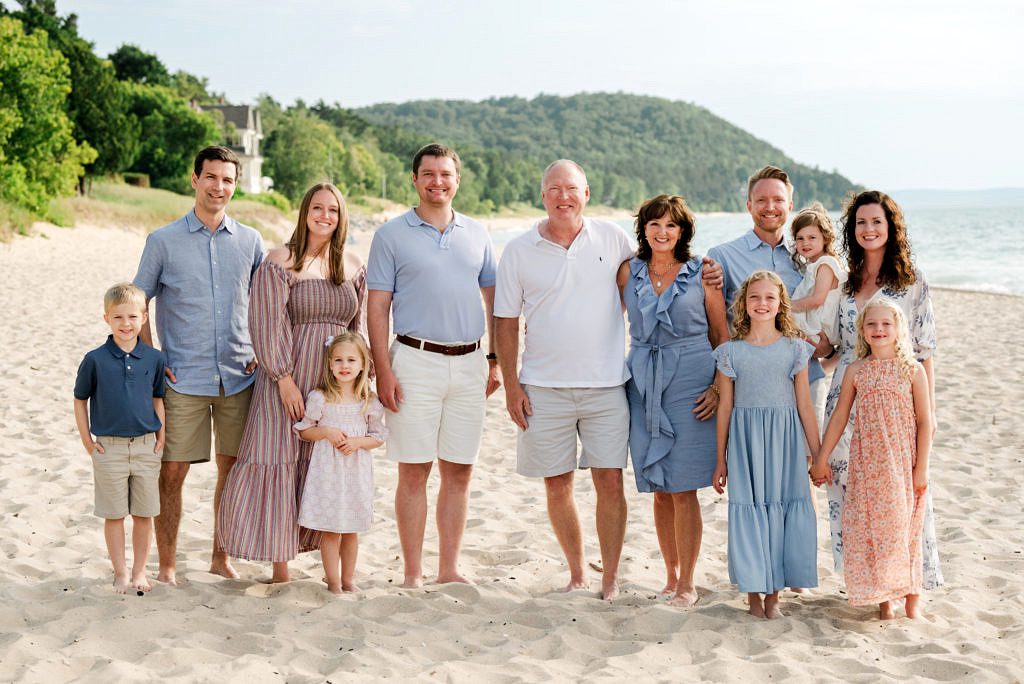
x=575, y=330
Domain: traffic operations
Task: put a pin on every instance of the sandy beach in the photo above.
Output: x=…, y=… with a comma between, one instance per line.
x=60, y=621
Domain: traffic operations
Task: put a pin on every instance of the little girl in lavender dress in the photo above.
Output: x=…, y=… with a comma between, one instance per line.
x=345, y=420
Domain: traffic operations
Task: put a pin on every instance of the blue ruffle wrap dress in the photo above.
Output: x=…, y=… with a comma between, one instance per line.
x=671, y=364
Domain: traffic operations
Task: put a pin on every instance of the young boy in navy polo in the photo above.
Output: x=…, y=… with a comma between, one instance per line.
x=119, y=399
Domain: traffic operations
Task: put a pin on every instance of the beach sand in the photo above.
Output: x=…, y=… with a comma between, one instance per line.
x=60, y=621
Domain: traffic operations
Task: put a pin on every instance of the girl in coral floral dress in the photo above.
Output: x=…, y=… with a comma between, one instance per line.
x=883, y=513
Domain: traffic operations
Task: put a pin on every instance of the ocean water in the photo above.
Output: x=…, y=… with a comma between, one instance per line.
x=964, y=248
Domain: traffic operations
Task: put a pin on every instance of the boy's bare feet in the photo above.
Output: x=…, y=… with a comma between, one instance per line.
x=610, y=590
x=140, y=582
x=771, y=606
x=122, y=582
x=913, y=606
x=885, y=611
x=756, y=605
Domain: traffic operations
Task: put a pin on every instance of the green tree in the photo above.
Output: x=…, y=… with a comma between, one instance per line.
x=97, y=103
x=303, y=150
x=39, y=158
x=172, y=133
x=132, y=63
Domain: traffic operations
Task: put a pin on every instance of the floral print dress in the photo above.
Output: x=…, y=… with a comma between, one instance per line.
x=916, y=303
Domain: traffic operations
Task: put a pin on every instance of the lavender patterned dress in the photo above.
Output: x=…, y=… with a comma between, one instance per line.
x=916, y=303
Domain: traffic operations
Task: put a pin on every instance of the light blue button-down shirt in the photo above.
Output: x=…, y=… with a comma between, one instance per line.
x=200, y=280
x=434, y=277
x=748, y=253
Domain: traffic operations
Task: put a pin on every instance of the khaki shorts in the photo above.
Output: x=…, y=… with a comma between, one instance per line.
x=188, y=424
x=599, y=416
x=126, y=477
x=442, y=415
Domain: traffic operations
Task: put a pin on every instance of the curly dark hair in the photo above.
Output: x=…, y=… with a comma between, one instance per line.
x=897, y=270
x=675, y=207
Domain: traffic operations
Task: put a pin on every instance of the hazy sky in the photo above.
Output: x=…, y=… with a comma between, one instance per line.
x=894, y=94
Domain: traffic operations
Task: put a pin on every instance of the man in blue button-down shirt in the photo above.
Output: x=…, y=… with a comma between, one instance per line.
x=199, y=269
x=769, y=201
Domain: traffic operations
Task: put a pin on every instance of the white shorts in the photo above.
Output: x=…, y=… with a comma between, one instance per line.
x=598, y=415
x=442, y=412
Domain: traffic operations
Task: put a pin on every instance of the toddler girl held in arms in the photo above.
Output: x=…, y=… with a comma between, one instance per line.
x=815, y=302
x=345, y=420
x=766, y=424
x=883, y=510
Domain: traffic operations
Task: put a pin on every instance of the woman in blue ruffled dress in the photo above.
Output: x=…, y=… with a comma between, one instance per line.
x=673, y=325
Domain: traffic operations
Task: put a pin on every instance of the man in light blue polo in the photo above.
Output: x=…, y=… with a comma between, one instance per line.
x=433, y=270
x=199, y=269
x=769, y=201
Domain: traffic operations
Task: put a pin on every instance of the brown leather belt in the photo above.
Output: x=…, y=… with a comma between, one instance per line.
x=446, y=349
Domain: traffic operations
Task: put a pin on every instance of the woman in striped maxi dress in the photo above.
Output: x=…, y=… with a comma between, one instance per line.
x=302, y=294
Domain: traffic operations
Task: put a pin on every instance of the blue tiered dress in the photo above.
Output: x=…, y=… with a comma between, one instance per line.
x=671, y=365
x=772, y=527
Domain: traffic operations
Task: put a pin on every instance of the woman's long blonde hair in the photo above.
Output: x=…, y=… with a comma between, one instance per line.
x=904, y=346
x=329, y=384
x=783, y=320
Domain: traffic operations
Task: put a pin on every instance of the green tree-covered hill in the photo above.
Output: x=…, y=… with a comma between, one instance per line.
x=631, y=146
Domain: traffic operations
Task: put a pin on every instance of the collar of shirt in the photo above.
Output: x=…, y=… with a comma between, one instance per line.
x=574, y=247
x=753, y=242
x=442, y=237
x=194, y=224
x=117, y=352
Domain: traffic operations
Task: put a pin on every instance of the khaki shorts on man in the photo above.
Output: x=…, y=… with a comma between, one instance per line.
x=188, y=424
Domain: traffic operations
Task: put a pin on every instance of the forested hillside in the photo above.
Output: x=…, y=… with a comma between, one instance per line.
x=632, y=146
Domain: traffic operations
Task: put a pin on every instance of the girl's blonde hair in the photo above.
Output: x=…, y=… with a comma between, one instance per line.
x=904, y=346
x=329, y=384
x=783, y=320
x=815, y=215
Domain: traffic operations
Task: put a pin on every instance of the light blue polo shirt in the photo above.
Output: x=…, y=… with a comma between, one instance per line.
x=200, y=280
x=748, y=253
x=434, y=278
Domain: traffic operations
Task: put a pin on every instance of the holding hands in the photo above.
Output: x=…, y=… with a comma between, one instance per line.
x=820, y=473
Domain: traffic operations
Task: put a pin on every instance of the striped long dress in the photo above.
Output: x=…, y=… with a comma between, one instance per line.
x=290, y=320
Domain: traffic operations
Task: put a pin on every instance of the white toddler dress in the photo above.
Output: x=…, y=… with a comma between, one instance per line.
x=338, y=493
x=825, y=317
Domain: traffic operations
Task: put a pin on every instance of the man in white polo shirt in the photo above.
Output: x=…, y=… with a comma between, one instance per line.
x=561, y=277
x=432, y=270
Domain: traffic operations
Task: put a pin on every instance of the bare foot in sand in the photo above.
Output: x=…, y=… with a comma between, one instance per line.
x=885, y=611
x=335, y=588
x=756, y=605
x=122, y=582
x=412, y=583
x=140, y=582
x=575, y=585
x=684, y=599
x=610, y=590
x=350, y=588
x=223, y=568
x=456, y=578
x=167, y=576
x=771, y=606
x=913, y=606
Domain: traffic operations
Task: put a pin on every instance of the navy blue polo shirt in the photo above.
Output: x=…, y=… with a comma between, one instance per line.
x=120, y=387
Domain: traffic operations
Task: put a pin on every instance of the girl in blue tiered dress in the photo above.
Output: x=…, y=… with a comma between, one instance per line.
x=766, y=424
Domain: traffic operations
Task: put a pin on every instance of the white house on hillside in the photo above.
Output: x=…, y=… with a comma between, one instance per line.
x=245, y=142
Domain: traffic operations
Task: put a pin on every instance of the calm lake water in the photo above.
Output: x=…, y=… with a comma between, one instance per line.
x=967, y=249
